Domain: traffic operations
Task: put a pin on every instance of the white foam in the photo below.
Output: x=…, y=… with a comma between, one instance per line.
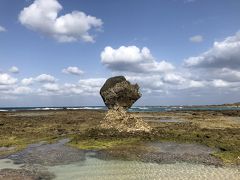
x=46, y=109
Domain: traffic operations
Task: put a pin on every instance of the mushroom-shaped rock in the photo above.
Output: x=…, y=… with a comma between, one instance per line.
x=119, y=94
x=117, y=91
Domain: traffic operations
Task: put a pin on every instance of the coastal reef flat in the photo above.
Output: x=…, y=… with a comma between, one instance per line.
x=208, y=137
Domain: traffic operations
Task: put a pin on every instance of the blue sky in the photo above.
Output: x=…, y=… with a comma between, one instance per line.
x=56, y=52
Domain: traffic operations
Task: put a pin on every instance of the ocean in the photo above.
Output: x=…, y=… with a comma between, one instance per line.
x=132, y=109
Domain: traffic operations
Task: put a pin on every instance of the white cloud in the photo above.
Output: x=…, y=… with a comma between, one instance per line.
x=2, y=29
x=45, y=78
x=21, y=90
x=42, y=16
x=92, y=82
x=85, y=87
x=6, y=79
x=27, y=81
x=90, y=86
x=133, y=59
x=51, y=87
x=220, y=83
x=72, y=89
x=173, y=78
x=196, y=84
x=224, y=54
x=14, y=69
x=196, y=39
x=229, y=74
x=73, y=70
x=166, y=82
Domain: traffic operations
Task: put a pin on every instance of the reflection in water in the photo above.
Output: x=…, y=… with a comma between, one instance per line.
x=48, y=154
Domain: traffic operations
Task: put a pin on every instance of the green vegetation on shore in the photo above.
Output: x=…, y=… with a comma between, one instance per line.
x=100, y=144
x=18, y=129
x=226, y=142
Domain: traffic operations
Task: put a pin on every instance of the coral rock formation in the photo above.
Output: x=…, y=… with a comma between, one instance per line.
x=117, y=91
x=118, y=94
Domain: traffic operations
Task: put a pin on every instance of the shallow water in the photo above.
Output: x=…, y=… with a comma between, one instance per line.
x=93, y=168
x=9, y=164
x=184, y=148
x=167, y=120
x=69, y=163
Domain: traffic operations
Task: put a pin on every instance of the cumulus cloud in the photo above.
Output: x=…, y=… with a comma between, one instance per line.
x=6, y=79
x=73, y=70
x=2, y=29
x=43, y=16
x=196, y=84
x=89, y=86
x=223, y=54
x=51, y=87
x=43, y=78
x=229, y=74
x=27, y=81
x=220, y=83
x=173, y=78
x=14, y=70
x=21, y=90
x=165, y=83
x=133, y=59
x=196, y=39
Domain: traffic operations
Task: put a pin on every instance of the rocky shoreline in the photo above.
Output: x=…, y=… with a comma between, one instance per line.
x=217, y=130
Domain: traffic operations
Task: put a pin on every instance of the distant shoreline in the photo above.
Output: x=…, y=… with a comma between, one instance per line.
x=133, y=109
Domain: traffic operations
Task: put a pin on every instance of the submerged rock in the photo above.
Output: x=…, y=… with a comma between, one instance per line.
x=118, y=95
x=23, y=174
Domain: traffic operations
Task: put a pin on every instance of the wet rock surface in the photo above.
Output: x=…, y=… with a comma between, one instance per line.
x=23, y=174
x=48, y=154
x=118, y=95
x=164, y=153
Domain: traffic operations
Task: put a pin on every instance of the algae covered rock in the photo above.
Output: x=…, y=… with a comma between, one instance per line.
x=118, y=92
x=118, y=95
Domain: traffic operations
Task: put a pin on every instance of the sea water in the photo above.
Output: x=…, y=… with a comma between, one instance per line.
x=96, y=169
x=132, y=109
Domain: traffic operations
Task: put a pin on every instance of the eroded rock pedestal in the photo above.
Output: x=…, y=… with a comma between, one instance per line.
x=118, y=95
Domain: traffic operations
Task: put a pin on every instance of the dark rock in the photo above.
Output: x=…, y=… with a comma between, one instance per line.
x=117, y=91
